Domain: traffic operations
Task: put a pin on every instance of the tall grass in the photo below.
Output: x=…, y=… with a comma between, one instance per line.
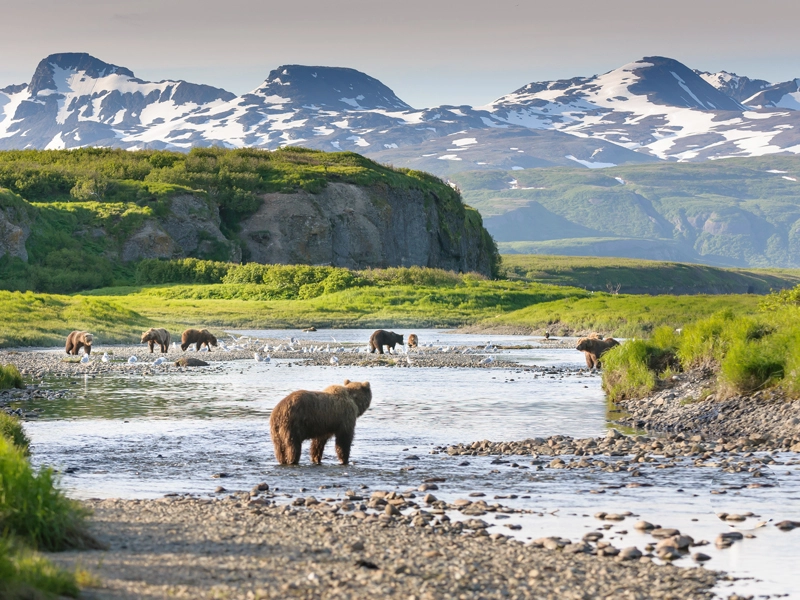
x=33, y=509
x=24, y=575
x=10, y=377
x=748, y=353
x=11, y=429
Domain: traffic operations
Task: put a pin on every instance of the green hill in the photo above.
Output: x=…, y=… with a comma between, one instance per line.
x=734, y=212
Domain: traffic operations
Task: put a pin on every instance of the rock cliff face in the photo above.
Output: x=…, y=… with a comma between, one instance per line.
x=14, y=231
x=191, y=228
x=355, y=227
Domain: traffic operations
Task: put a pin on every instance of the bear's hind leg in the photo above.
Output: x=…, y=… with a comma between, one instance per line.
x=344, y=439
x=292, y=450
x=318, y=447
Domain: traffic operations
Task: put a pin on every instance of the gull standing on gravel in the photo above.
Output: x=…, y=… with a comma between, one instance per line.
x=334, y=360
x=105, y=357
x=132, y=360
x=85, y=359
x=488, y=360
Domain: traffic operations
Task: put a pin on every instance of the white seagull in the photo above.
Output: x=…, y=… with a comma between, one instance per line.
x=85, y=359
x=105, y=357
x=334, y=360
x=132, y=359
x=488, y=360
x=160, y=360
x=257, y=357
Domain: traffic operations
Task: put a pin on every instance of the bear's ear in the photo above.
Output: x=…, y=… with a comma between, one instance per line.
x=365, y=384
x=346, y=381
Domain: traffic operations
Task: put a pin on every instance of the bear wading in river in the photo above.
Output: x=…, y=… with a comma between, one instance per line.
x=77, y=340
x=318, y=416
x=413, y=340
x=593, y=348
x=155, y=336
x=382, y=338
x=198, y=337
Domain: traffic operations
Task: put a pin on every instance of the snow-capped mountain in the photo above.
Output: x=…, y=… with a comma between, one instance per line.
x=737, y=87
x=655, y=108
x=75, y=100
x=780, y=95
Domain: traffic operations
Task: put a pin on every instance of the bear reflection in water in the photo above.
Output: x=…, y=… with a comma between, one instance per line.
x=318, y=416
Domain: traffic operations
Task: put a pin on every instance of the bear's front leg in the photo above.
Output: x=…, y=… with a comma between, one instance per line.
x=317, y=448
x=152, y=344
x=344, y=439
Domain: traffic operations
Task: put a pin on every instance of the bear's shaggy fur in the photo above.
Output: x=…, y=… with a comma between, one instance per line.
x=381, y=338
x=155, y=336
x=318, y=416
x=593, y=348
x=198, y=337
x=413, y=340
x=77, y=340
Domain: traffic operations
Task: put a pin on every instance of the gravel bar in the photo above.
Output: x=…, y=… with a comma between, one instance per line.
x=239, y=548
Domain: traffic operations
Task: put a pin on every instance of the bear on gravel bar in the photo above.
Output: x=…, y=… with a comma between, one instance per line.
x=198, y=337
x=317, y=416
x=77, y=340
x=413, y=340
x=156, y=336
x=185, y=361
x=593, y=348
x=382, y=338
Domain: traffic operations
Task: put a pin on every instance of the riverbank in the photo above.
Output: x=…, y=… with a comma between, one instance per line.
x=244, y=547
x=768, y=419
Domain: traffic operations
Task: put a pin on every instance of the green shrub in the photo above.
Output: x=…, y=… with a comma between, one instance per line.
x=419, y=276
x=186, y=270
x=750, y=365
x=10, y=377
x=32, y=508
x=22, y=571
x=625, y=370
x=12, y=430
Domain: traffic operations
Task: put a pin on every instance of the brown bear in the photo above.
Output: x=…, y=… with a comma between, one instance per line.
x=156, y=336
x=198, y=337
x=381, y=338
x=593, y=348
x=77, y=340
x=413, y=340
x=317, y=416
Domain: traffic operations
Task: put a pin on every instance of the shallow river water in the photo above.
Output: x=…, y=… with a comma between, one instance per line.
x=144, y=436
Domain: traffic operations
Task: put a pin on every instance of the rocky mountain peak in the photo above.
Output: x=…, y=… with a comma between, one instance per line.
x=667, y=81
x=49, y=69
x=334, y=87
x=738, y=87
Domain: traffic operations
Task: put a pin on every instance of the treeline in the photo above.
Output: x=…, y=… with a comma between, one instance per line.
x=289, y=282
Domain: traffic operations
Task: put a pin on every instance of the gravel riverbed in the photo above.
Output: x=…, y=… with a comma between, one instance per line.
x=242, y=547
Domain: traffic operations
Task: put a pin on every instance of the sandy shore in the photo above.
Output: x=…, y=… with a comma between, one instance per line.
x=245, y=548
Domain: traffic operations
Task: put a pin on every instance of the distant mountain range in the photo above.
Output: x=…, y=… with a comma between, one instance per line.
x=650, y=110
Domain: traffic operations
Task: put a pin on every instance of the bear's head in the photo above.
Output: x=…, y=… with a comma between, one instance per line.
x=209, y=336
x=587, y=344
x=147, y=336
x=398, y=338
x=360, y=393
x=87, y=339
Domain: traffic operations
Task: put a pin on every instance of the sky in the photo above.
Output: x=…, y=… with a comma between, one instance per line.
x=430, y=52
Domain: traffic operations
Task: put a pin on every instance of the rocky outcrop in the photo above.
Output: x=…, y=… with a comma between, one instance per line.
x=345, y=225
x=191, y=228
x=13, y=235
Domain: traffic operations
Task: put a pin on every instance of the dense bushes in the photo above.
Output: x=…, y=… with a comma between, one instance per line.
x=11, y=429
x=748, y=354
x=187, y=270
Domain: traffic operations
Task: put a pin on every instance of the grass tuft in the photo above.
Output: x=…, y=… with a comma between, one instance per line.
x=10, y=377
x=33, y=509
x=25, y=575
x=11, y=429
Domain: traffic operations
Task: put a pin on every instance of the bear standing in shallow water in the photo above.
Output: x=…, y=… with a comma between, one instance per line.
x=382, y=338
x=318, y=416
x=77, y=340
x=156, y=336
x=198, y=337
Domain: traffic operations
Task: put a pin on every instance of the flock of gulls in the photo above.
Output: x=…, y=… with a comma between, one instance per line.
x=261, y=354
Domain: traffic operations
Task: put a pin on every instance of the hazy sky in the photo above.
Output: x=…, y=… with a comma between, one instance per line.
x=428, y=51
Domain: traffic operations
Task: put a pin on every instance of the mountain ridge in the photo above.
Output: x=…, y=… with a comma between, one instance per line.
x=653, y=109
